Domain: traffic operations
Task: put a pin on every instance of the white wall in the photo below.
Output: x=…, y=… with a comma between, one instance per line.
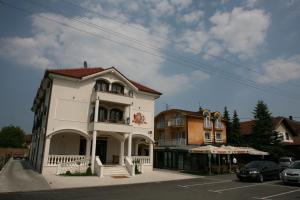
x=65, y=144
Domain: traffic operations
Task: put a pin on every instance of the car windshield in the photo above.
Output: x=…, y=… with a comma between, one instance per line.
x=254, y=164
x=296, y=165
x=284, y=160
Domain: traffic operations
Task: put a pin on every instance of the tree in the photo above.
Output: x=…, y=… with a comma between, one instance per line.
x=226, y=117
x=12, y=136
x=235, y=133
x=262, y=130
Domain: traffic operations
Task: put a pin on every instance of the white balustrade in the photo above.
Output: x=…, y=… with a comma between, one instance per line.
x=129, y=166
x=144, y=160
x=54, y=160
x=78, y=166
x=98, y=167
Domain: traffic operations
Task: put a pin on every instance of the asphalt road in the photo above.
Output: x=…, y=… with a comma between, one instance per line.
x=18, y=176
x=224, y=187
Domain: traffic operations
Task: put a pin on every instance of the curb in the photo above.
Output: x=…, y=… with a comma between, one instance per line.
x=5, y=166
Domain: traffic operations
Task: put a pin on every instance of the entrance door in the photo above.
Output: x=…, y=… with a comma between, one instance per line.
x=101, y=147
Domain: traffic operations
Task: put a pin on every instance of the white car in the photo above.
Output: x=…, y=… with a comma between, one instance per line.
x=291, y=174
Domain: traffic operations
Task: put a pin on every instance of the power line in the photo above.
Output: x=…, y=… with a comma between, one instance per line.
x=176, y=42
x=139, y=49
x=195, y=62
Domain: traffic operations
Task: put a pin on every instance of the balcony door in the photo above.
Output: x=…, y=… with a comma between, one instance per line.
x=101, y=149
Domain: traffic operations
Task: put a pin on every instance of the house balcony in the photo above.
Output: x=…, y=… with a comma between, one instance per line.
x=177, y=122
x=108, y=96
x=172, y=142
x=207, y=141
x=111, y=126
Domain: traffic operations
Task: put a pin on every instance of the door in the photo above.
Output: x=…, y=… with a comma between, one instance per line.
x=101, y=148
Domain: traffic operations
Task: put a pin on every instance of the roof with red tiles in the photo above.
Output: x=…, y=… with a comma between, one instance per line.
x=80, y=73
x=294, y=126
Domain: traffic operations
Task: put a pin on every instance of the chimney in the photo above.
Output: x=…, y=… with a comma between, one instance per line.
x=85, y=64
x=291, y=117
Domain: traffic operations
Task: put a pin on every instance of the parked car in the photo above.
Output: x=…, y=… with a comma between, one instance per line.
x=285, y=162
x=259, y=170
x=291, y=174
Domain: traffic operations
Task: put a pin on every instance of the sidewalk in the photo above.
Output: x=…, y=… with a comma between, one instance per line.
x=18, y=176
x=157, y=175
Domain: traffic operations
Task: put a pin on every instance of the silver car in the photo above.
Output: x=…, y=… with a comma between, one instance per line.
x=285, y=162
x=291, y=174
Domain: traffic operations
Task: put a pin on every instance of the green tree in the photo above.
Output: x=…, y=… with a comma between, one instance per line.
x=235, y=133
x=226, y=117
x=12, y=136
x=262, y=130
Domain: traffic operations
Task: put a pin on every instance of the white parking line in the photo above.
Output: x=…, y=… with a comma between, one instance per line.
x=234, y=188
x=276, y=195
x=199, y=184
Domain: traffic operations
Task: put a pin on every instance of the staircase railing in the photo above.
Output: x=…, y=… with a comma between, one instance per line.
x=129, y=165
x=98, y=167
x=77, y=166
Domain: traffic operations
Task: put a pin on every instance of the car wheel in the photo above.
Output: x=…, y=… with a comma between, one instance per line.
x=261, y=178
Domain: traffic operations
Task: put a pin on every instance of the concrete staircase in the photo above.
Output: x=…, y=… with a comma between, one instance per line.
x=115, y=170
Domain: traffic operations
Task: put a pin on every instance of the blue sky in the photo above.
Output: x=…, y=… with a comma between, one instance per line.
x=208, y=53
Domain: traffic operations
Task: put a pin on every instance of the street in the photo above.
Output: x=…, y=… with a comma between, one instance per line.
x=224, y=187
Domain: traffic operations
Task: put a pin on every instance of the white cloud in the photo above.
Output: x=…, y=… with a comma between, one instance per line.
x=251, y=3
x=181, y=4
x=192, y=17
x=280, y=70
x=53, y=45
x=192, y=41
x=241, y=31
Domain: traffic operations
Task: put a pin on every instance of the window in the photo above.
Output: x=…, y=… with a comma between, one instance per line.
x=92, y=114
x=116, y=115
x=206, y=120
x=161, y=123
x=102, y=114
x=117, y=88
x=102, y=85
x=218, y=136
x=287, y=136
x=218, y=123
x=207, y=136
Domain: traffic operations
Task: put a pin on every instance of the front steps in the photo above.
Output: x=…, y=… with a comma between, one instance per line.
x=115, y=170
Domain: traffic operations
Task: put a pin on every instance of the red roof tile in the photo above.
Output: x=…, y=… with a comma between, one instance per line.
x=83, y=72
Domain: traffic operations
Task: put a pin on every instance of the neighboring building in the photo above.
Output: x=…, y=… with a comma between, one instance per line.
x=288, y=129
x=82, y=113
x=177, y=131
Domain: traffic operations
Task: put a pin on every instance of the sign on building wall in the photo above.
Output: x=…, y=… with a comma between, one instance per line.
x=141, y=119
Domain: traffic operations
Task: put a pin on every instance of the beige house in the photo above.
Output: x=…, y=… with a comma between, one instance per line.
x=92, y=116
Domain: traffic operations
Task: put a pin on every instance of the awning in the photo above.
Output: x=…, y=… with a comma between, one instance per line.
x=209, y=149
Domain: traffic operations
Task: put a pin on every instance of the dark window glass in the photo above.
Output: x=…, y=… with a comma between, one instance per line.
x=102, y=114
x=102, y=85
x=116, y=115
x=117, y=88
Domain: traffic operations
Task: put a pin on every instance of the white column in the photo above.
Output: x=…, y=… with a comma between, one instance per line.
x=129, y=144
x=121, y=157
x=151, y=153
x=96, y=110
x=93, y=151
x=130, y=114
x=46, y=150
x=136, y=151
x=88, y=148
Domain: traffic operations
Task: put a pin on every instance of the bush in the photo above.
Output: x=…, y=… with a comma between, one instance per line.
x=68, y=173
x=89, y=171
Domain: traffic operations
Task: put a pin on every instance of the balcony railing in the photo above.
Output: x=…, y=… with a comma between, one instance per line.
x=161, y=125
x=127, y=94
x=207, y=140
x=172, y=142
x=176, y=122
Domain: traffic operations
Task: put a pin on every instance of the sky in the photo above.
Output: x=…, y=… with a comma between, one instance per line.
x=208, y=54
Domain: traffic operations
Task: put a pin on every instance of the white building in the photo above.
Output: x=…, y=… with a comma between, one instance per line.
x=92, y=116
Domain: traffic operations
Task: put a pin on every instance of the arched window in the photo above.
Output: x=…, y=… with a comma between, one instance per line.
x=116, y=115
x=207, y=123
x=102, y=85
x=102, y=114
x=117, y=88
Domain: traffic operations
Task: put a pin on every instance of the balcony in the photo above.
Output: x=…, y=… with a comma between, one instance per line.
x=172, y=142
x=109, y=96
x=112, y=126
x=207, y=140
x=177, y=122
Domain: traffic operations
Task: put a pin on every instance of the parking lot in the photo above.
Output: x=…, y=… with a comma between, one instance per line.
x=225, y=187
